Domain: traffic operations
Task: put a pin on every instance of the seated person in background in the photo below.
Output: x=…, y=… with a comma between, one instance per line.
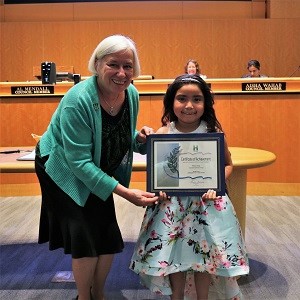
x=254, y=69
x=192, y=67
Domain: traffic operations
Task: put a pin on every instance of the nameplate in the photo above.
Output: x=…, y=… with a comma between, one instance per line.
x=263, y=86
x=32, y=90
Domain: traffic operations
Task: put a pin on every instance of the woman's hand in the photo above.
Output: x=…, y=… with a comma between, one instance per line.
x=142, y=198
x=135, y=196
x=142, y=136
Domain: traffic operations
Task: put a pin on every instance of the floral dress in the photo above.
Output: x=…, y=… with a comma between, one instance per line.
x=186, y=234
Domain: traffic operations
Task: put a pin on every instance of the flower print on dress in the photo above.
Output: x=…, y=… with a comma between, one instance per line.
x=183, y=223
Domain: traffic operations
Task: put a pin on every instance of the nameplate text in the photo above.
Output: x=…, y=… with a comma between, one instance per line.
x=263, y=86
x=32, y=90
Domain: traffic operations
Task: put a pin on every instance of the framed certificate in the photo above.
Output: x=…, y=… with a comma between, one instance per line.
x=185, y=164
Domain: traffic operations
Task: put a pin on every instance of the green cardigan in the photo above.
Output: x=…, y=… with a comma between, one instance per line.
x=73, y=143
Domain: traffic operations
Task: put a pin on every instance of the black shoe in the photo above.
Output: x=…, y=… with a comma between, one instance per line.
x=91, y=297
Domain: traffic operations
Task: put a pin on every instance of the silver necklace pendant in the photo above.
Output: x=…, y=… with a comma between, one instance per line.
x=111, y=108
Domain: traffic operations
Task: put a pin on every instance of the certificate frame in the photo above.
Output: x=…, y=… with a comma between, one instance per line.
x=186, y=164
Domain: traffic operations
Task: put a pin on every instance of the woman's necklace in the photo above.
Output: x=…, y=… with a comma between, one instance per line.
x=111, y=107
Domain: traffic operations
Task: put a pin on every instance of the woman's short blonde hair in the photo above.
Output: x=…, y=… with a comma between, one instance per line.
x=113, y=44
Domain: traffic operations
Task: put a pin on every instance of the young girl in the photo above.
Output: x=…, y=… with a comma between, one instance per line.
x=189, y=244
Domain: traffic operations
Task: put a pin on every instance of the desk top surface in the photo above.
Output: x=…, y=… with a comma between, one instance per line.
x=243, y=158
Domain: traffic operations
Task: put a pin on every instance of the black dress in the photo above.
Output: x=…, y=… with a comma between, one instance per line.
x=91, y=230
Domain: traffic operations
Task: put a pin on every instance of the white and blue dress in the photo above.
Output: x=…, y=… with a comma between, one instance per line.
x=186, y=234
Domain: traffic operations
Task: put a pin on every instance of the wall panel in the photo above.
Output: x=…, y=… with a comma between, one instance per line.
x=222, y=35
x=216, y=10
x=284, y=9
x=287, y=38
x=132, y=10
x=222, y=47
x=38, y=12
x=143, y=10
x=22, y=47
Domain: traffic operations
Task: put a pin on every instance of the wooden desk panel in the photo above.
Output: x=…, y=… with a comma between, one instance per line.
x=255, y=120
x=268, y=122
x=22, y=116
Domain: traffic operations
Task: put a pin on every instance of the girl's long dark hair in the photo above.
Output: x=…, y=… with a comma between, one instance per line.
x=209, y=115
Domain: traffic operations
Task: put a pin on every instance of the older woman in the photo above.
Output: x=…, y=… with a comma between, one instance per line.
x=84, y=157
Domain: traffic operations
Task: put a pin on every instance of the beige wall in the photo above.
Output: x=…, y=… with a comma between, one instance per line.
x=221, y=35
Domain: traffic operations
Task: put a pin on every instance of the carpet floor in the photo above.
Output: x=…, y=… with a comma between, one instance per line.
x=27, y=269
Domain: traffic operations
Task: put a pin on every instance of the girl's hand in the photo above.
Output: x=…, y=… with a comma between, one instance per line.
x=163, y=196
x=210, y=195
x=142, y=136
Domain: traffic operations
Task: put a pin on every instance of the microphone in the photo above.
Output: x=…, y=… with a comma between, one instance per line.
x=295, y=71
